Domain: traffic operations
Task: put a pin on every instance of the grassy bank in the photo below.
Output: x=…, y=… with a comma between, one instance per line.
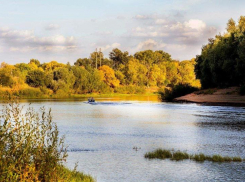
x=31, y=148
x=43, y=93
x=178, y=156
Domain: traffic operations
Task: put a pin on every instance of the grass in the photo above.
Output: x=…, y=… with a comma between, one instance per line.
x=31, y=148
x=74, y=176
x=179, y=156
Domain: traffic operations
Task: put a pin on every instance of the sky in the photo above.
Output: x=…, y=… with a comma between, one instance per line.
x=65, y=30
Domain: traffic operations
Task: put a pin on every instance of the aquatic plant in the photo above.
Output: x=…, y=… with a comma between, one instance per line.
x=178, y=155
x=198, y=157
x=159, y=153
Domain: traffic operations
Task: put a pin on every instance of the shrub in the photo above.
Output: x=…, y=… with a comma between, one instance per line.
x=30, y=147
x=179, y=90
x=30, y=92
x=242, y=90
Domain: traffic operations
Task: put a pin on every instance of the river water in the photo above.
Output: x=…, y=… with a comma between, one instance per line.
x=101, y=138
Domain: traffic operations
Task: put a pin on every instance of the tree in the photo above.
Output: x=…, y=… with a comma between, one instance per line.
x=241, y=24
x=108, y=76
x=85, y=62
x=35, y=78
x=118, y=57
x=52, y=65
x=65, y=75
x=222, y=60
x=35, y=61
x=231, y=26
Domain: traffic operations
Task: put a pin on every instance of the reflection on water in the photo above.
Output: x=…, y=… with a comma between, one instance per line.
x=101, y=138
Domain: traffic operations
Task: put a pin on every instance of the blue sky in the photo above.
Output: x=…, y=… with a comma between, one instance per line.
x=65, y=30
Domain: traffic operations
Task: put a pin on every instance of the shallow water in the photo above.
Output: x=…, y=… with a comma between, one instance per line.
x=101, y=138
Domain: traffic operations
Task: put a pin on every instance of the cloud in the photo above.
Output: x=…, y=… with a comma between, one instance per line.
x=193, y=31
x=52, y=27
x=149, y=31
x=121, y=17
x=103, y=33
x=112, y=46
x=160, y=21
x=26, y=40
x=195, y=24
x=142, y=17
x=150, y=44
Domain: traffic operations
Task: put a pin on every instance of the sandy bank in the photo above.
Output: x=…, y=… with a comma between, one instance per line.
x=228, y=96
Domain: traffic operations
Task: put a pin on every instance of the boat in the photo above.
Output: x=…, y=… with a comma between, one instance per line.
x=91, y=100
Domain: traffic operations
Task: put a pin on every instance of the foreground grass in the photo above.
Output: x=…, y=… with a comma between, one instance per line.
x=74, y=176
x=31, y=148
x=178, y=156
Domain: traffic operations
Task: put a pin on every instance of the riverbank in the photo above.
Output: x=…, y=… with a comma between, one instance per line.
x=35, y=93
x=227, y=96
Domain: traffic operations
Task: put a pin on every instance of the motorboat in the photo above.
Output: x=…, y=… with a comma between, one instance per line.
x=91, y=100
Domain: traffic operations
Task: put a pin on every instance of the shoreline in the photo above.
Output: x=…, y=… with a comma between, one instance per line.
x=113, y=96
x=219, y=97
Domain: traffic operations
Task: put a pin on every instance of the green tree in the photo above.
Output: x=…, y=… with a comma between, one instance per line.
x=35, y=78
x=118, y=57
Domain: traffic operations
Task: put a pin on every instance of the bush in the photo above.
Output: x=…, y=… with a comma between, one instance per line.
x=30, y=147
x=242, y=90
x=177, y=91
x=30, y=93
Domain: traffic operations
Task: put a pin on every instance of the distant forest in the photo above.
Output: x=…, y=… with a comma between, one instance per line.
x=221, y=64
x=120, y=73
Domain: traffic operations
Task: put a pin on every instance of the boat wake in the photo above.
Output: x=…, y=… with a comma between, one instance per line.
x=108, y=103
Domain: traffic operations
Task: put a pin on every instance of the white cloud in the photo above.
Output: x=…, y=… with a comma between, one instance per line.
x=112, y=46
x=195, y=24
x=121, y=17
x=142, y=17
x=26, y=40
x=52, y=27
x=160, y=21
x=149, y=31
x=193, y=31
x=150, y=44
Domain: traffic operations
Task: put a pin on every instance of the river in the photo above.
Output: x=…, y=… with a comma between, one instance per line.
x=101, y=138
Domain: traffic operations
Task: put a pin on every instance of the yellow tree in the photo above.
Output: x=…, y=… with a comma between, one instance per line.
x=108, y=76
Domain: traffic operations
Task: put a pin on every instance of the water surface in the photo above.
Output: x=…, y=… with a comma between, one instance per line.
x=101, y=138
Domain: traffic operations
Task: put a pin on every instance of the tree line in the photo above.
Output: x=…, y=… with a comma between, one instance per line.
x=120, y=73
x=222, y=60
